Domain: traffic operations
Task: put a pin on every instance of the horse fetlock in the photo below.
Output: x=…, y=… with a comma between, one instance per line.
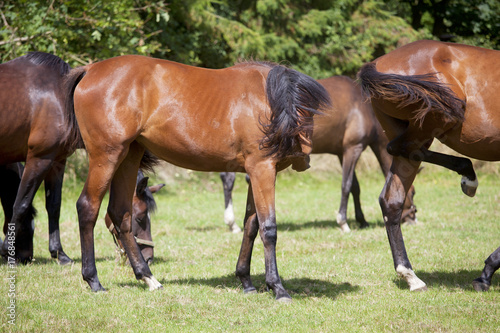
x=342, y=222
x=469, y=186
x=411, y=278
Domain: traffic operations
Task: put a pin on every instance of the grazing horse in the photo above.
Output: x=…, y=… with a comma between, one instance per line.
x=143, y=206
x=253, y=117
x=35, y=128
x=427, y=90
x=345, y=130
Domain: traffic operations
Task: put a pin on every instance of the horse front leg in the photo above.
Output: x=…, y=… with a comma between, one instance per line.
x=21, y=227
x=262, y=179
x=392, y=198
x=491, y=265
x=53, y=194
x=250, y=230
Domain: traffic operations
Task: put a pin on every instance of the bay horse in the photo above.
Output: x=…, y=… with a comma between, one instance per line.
x=344, y=130
x=143, y=205
x=35, y=128
x=430, y=90
x=252, y=117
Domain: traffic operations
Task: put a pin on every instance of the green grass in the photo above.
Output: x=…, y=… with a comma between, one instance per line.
x=338, y=282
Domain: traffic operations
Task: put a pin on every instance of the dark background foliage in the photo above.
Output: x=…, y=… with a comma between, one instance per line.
x=319, y=37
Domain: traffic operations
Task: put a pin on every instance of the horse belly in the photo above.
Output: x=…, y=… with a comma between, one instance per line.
x=200, y=154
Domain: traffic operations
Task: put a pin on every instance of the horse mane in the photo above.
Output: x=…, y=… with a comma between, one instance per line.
x=408, y=90
x=48, y=60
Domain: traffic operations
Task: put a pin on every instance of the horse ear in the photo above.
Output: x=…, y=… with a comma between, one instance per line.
x=419, y=169
x=156, y=188
x=141, y=186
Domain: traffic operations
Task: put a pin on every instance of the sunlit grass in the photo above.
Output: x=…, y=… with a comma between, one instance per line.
x=338, y=282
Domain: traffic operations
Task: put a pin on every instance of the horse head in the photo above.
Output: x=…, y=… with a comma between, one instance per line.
x=143, y=205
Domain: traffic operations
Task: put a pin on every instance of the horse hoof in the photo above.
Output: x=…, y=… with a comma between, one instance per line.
x=152, y=283
x=65, y=260
x=364, y=225
x=251, y=290
x=469, y=187
x=284, y=299
x=421, y=289
x=480, y=286
x=235, y=229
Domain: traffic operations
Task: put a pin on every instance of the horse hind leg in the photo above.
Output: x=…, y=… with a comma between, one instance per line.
x=120, y=211
x=262, y=179
x=392, y=199
x=491, y=265
x=349, y=159
x=250, y=231
x=53, y=194
x=228, y=179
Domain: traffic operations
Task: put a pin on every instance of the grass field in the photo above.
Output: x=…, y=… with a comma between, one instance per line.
x=338, y=282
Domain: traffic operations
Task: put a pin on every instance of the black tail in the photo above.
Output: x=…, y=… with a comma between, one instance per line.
x=74, y=139
x=424, y=90
x=149, y=161
x=294, y=98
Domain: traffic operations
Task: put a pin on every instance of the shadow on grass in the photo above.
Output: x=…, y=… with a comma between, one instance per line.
x=325, y=224
x=297, y=287
x=459, y=280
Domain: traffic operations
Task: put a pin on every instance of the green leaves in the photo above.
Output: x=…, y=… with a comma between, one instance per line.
x=319, y=37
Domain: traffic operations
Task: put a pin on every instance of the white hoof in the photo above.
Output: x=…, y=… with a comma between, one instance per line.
x=469, y=187
x=413, y=281
x=343, y=224
x=152, y=283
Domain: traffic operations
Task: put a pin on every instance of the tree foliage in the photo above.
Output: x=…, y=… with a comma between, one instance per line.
x=319, y=37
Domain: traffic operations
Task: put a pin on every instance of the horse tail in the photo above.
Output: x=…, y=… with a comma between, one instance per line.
x=74, y=138
x=293, y=98
x=407, y=90
x=148, y=162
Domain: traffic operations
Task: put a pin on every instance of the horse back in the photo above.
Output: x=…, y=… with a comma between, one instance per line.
x=32, y=109
x=176, y=111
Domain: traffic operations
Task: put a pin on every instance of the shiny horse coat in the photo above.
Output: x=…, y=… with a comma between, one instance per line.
x=36, y=128
x=432, y=90
x=344, y=130
x=253, y=117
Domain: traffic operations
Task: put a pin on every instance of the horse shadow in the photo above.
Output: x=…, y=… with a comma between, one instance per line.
x=325, y=224
x=460, y=280
x=297, y=287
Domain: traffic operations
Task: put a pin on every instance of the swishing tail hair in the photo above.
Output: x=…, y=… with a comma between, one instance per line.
x=74, y=138
x=294, y=98
x=412, y=89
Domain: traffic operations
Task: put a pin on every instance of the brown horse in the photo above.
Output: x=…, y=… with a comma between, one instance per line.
x=345, y=130
x=143, y=205
x=426, y=90
x=35, y=128
x=253, y=117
